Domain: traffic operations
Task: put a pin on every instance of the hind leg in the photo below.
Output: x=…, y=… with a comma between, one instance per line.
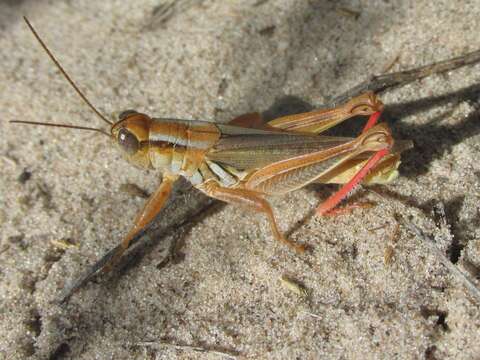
x=329, y=204
x=318, y=121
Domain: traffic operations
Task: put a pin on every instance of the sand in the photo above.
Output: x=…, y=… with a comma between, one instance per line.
x=63, y=199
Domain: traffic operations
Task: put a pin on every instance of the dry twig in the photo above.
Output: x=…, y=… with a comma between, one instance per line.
x=379, y=83
x=228, y=355
x=430, y=242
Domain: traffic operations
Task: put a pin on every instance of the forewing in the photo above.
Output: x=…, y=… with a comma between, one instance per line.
x=249, y=149
x=293, y=173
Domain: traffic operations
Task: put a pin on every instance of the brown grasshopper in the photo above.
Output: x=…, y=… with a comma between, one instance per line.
x=245, y=160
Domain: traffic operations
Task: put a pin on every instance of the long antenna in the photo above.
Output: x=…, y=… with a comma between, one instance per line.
x=59, y=125
x=64, y=72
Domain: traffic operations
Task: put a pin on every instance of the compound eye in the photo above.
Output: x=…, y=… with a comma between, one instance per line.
x=124, y=114
x=128, y=141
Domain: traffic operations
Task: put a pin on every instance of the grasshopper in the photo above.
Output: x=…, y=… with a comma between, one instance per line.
x=245, y=160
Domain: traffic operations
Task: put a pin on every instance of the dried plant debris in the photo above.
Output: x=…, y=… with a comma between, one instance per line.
x=226, y=354
x=166, y=10
x=389, y=249
x=24, y=176
x=466, y=279
x=294, y=286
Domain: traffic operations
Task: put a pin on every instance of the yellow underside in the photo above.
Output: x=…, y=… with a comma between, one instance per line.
x=385, y=172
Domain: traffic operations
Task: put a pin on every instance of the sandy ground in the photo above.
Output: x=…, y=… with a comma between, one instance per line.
x=220, y=291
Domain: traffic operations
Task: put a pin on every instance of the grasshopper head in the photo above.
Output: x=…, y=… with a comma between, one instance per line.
x=131, y=133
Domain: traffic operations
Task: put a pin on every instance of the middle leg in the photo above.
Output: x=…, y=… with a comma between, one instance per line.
x=252, y=201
